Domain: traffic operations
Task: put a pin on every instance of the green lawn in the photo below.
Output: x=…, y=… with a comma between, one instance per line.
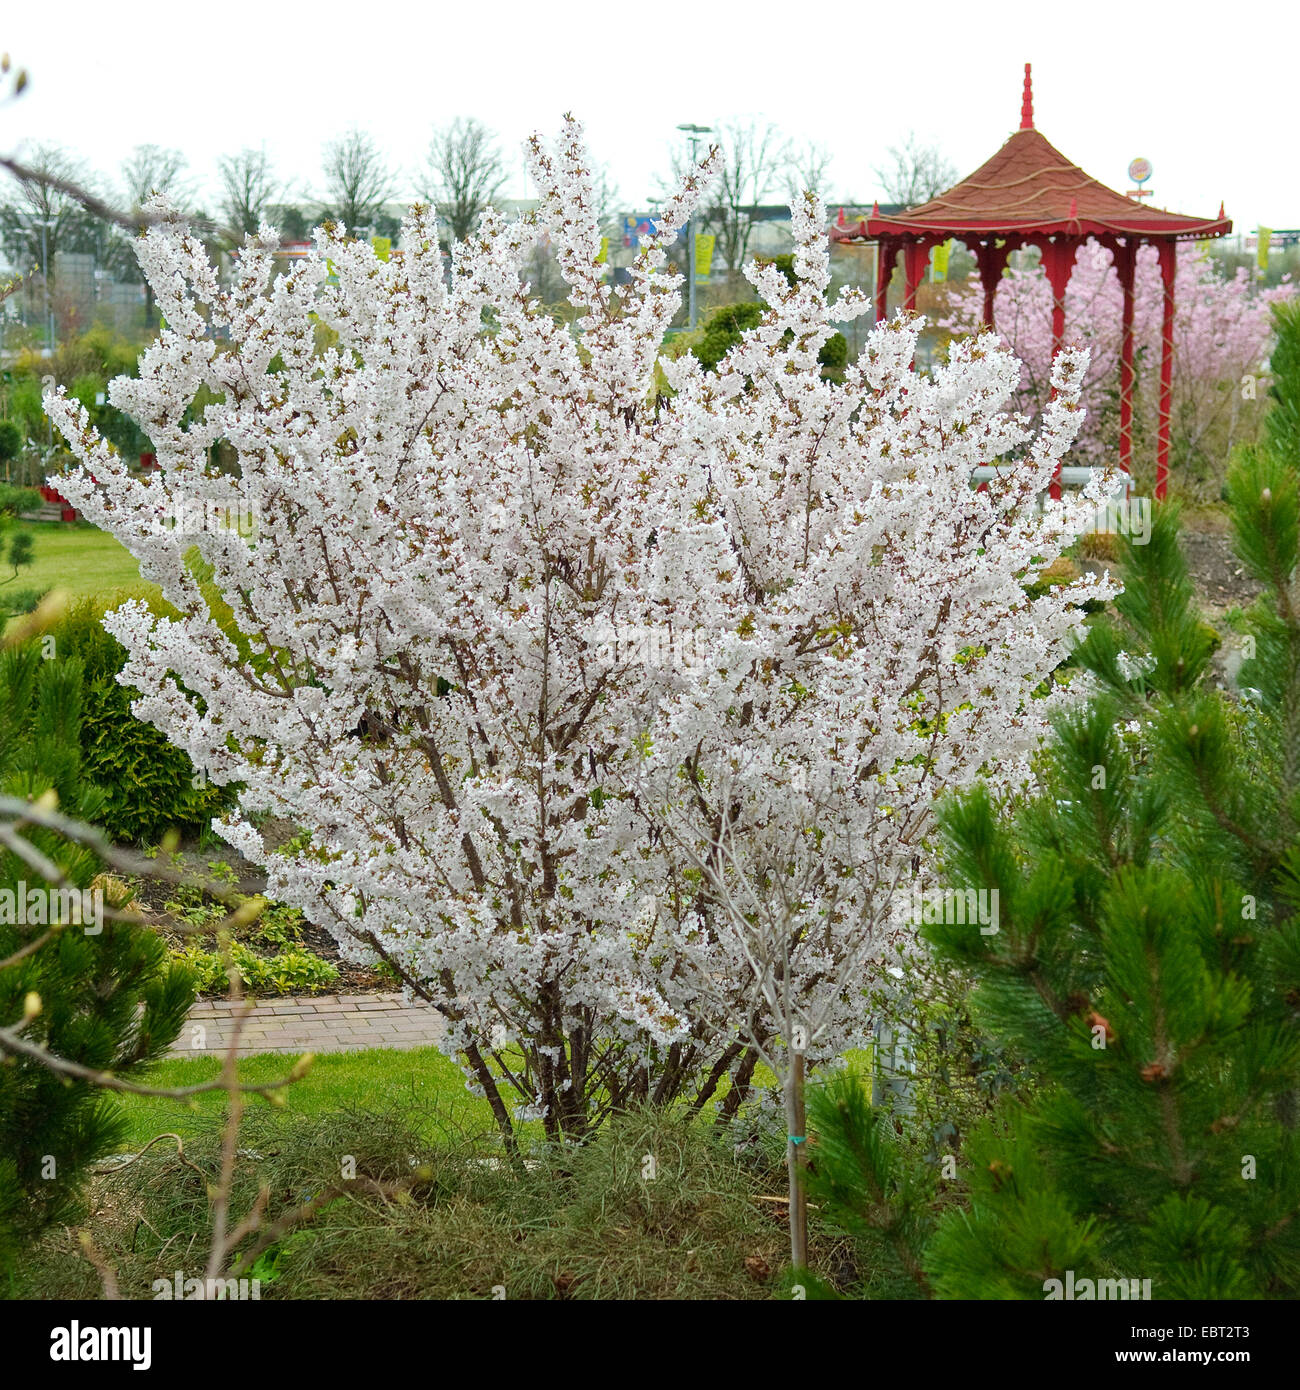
x=78, y=558
x=422, y=1080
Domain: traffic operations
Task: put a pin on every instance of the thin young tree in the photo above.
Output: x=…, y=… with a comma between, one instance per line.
x=248, y=188
x=358, y=181
x=465, y=173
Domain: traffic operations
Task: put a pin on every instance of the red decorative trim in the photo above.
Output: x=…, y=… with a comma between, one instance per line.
x=1125, y=256
x=1167, y=266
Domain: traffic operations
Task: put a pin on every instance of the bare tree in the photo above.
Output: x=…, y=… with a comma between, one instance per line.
x=808, y=171
x=754, y=162
x=248, y=187
x=152, y=169
x=147, y=170
x=40, y=218
x=915, y=173
x=465, y=173
x=358, y=181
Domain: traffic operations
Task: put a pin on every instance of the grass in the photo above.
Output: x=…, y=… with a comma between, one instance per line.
x=703, y=1221
x=423, y=1080
x=80, y=559
x=594, y=1221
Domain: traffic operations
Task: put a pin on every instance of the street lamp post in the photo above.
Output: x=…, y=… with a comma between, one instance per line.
x=49, y=312
x=694, y=132
x=45, y=285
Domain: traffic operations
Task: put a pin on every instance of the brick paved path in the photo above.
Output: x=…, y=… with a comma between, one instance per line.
x=322, y=1023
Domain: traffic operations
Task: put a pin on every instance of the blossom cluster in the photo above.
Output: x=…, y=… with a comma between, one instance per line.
x=459, y=502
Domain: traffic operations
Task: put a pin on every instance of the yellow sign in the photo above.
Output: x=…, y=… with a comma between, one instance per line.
x=383, y=246
x=1261, y=254
x=704, y=243
x=604, y=251
x=940, y=260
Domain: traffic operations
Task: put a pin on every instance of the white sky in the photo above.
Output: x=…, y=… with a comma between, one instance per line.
x=1208, y=98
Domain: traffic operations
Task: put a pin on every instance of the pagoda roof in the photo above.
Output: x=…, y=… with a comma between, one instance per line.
x=1029, y=188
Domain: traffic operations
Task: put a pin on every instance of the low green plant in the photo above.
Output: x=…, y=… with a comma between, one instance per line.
x=725, y=326
x=287, y=972
x=150, y=786
x=14, y=500
x=11, y=440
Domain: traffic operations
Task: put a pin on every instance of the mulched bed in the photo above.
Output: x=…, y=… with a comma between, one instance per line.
x=1220, y=580
x=352, y=979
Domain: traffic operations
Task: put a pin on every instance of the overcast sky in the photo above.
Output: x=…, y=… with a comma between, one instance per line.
x=1209, y=101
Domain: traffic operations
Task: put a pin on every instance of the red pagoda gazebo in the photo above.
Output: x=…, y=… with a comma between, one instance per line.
x=1029, y=194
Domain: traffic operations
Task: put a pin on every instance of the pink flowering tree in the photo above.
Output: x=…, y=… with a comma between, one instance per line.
x=1222, y=332
x=558, y=680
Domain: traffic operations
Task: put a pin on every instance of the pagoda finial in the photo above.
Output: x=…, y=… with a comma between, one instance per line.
x=875, y=208
x=1222, y=214
x=1027, y=104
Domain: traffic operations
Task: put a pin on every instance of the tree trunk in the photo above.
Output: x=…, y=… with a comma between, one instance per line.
x=796, y=1143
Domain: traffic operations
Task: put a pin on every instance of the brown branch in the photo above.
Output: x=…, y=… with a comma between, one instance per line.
x=139, y=221
x=11, y=1040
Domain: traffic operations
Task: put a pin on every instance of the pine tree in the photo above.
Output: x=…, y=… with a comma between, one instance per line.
x=1146, y=969
x=1147, y=965
x=110, y=1000
x=1282, y=423
x=15, y=542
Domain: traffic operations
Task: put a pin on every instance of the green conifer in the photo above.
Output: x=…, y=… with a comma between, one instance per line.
x=109, y=998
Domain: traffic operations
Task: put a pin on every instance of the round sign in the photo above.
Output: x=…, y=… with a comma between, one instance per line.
x=1140, y=170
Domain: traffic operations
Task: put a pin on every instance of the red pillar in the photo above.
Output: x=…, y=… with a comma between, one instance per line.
x=1125, y=254
x=916, y=256
x=1167, y=264
x=1058, y=262
x=992, y=261
x=886, y=250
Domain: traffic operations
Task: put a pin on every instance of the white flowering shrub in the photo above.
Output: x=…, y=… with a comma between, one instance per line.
x=556, y=677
